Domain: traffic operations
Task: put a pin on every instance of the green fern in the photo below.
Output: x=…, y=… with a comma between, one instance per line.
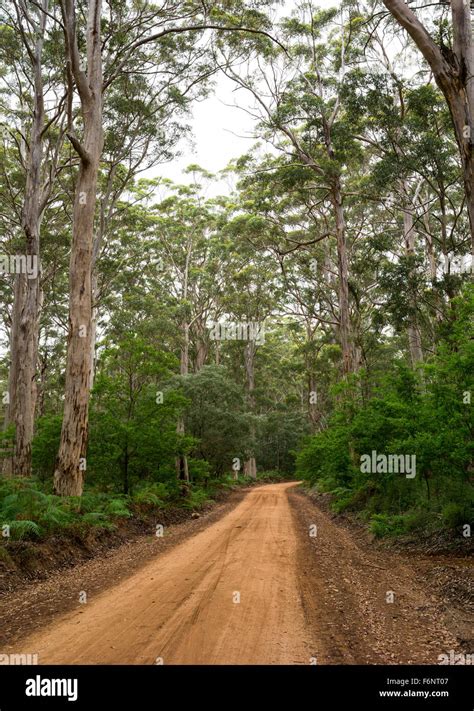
x=148, y=497
x=20, y=530
x=95, y=518
x=54, y=516
x=196, y=499
x=117, y=507
x=26, y=502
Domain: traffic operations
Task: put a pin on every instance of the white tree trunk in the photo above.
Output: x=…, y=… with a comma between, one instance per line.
x=413, y=330
x=27, y=292
x=250, y=465
x=345, y=331
x=70, y=465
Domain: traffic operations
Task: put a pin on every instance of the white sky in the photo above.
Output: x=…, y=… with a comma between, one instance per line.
x=221, y=131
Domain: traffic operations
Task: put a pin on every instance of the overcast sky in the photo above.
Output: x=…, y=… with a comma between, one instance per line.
x=221, y=132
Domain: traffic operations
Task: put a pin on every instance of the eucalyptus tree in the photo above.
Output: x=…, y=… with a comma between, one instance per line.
x=123, y=39
x=251, y=299
x=281, y=396
x=186, y=249
x=279, y=194
x=145, y=116
x=298, y=96
x=443, y=34
x=33, y=115
x=412, y=174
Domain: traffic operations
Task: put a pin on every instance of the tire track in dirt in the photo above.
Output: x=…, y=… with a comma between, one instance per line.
x=182, y=607
x=345, y=585
x=300, y=598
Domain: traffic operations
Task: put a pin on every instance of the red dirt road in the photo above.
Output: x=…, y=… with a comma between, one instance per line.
x=254, y=587
x=184, y=608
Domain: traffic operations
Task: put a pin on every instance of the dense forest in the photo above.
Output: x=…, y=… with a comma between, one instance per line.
x=307, y=312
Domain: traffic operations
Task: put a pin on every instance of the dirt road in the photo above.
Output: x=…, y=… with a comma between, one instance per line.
x=255, y=587
x=227, y=596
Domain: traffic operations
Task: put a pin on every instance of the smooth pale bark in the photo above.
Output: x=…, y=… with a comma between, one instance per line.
x=313, y=411
x=181, y=462
x=345, y=331
x=27, y=292
x=431, y=258
x=70, y=464
x=202, y=346
x=454, y=74
x=310, y=406
x=98, y=239
x=250, y=465
x=413, y=330
x=429, y=247
x=182, y=468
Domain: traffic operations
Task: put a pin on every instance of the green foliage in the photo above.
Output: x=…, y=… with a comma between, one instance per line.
x=355, y=143
x=31, y=512
x=425, y=413
x=45, y=445
x=382, y=525
x=20, y=530
x=118, y=508
x=155, y=494
x=215, y=416
x=132, y=433
x=196, y=499
x=95, y=519
x=456, y=514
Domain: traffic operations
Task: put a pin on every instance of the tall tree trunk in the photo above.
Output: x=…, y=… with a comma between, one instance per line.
x=463, y=99
x=313, y=411
x=70, y=464
x=310, y=407
x=250, y=465
x=23, y=391
x=201, y=355
x=105, y=210
x=181, y=463
x=413, y=330
x=27, y=293
x=202, y=345
x=94, y=319
x=429, y=247
x=345, y=335
x=182, y=468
